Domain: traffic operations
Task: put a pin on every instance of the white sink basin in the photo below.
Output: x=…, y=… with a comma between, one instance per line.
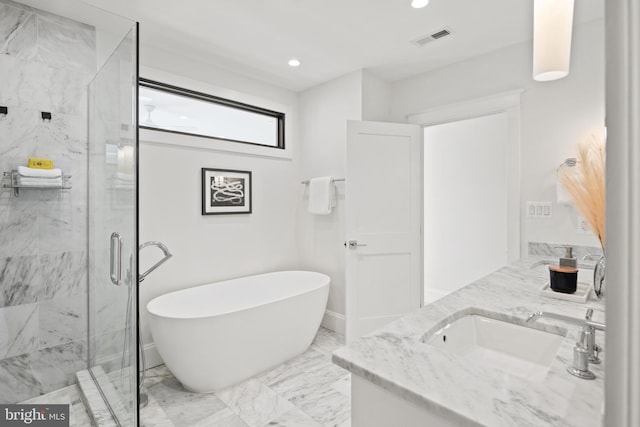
x=515, y=349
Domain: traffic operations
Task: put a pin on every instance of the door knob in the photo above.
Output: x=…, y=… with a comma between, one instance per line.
x=353, y=244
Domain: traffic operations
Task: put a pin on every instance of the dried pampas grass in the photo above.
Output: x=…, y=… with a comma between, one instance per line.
x=585, y=183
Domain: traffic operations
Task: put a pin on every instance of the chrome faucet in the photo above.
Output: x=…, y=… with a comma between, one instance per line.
x=586, y=350
x=163, y=248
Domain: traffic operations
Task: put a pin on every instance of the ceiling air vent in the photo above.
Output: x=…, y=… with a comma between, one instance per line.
x=421, y=41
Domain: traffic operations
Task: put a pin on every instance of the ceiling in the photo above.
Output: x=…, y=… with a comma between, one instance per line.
x=256, y=38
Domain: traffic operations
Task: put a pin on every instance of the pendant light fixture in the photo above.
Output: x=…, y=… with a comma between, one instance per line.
x=552, y=27
x=419, y=4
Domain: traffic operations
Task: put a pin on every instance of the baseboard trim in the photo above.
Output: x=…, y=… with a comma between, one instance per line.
x=151, y=356
x=334, y=321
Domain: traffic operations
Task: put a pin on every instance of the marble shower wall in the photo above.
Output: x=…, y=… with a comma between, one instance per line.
x=46, y=62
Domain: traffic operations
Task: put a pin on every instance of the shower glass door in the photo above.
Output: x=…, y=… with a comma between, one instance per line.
x=113, y=244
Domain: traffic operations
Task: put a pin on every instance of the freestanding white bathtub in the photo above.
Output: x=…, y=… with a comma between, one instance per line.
x=219, y=334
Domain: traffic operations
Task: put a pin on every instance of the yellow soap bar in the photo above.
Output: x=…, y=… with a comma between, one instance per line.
x=37, y=163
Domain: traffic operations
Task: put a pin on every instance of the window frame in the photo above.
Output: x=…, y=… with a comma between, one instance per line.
x=188, y=93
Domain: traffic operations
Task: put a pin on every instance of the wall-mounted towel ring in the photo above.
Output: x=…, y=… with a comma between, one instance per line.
x=568, y=162
x=563, y=196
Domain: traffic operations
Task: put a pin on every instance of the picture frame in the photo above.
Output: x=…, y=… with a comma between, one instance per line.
x=226, y=191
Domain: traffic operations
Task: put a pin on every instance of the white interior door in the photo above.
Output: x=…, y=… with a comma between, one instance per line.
x=383, y=218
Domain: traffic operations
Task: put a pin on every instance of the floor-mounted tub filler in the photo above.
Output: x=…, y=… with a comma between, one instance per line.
x=216, y=335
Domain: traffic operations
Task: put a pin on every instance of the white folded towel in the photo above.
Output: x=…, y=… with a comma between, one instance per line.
x=39, y=173
x=321, y=195
x=40, y=182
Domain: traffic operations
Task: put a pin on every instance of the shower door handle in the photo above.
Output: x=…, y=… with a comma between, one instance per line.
x=115, y=259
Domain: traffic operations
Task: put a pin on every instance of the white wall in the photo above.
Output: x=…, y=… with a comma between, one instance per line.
x=556, y=116
x=324, y=111
x=376, y=98
x=214, y=247
x=465, y=219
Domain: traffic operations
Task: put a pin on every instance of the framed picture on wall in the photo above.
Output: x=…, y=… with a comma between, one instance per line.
x=226, y=192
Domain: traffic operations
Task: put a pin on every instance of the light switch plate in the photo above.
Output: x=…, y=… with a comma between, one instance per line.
x=539, y=210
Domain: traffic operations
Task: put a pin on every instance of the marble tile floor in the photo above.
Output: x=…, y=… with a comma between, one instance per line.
x=307, y=391
x=79, y=417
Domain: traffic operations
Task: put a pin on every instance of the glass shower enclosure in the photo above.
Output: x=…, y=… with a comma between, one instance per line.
x=68, y=245
x=112, y=231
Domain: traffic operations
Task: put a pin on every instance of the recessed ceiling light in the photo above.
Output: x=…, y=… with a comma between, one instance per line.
x=417, y=4
x=183, y=117
x=294, y=63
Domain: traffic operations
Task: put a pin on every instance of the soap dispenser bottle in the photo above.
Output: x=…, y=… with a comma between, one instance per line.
x=568, y=260
x=564, y=276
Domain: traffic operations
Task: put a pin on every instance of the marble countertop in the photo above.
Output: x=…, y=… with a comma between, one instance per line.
x=395, y=358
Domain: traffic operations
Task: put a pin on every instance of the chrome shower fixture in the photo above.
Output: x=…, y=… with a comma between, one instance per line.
x=163, y=248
